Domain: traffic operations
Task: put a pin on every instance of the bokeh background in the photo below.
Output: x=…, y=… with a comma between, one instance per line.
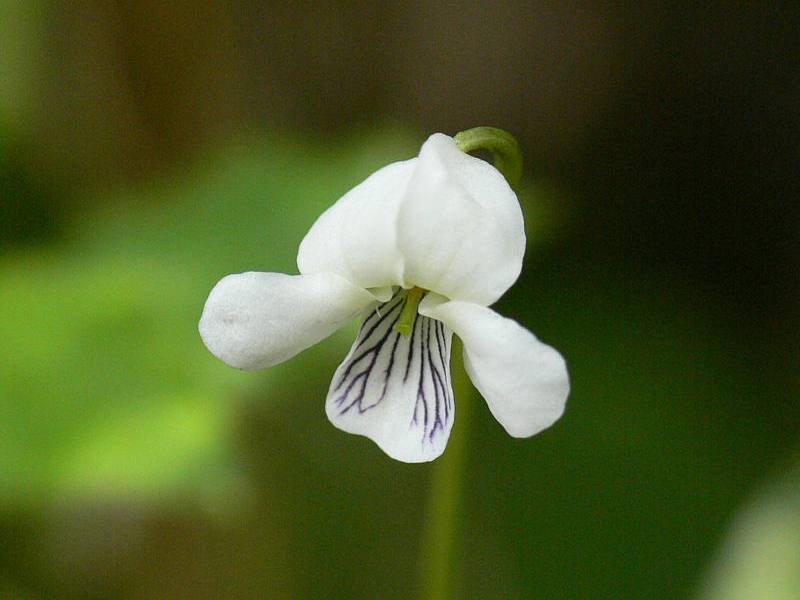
x=147, y=148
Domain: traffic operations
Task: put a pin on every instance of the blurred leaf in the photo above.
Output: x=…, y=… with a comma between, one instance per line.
x=761, y=558
x=21, y=32
x=105, y=384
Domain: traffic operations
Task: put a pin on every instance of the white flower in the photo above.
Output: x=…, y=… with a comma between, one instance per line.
x=443, y=225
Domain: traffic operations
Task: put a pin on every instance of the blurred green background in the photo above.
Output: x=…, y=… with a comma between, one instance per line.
x=149, y=148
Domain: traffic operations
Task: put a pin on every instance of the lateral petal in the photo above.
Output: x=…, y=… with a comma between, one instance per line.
x=254, y=320
x=525, y=382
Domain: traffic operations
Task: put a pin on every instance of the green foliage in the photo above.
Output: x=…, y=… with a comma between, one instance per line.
x=761, y=557
x=105, y=385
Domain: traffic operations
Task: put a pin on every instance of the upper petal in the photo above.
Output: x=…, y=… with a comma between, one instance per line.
x=459, y=227
x=356, y=237
x=254, y=320
x=524, y=381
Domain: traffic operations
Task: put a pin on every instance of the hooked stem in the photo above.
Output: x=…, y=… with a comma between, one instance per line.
x=506, y=154
x=406, y=320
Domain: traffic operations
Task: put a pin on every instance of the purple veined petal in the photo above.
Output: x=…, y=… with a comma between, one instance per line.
x=395, y=389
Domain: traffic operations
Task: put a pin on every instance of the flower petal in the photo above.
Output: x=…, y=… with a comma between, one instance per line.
x=460, y=227
x=524, y=381
x=396, y=389
x=254, y=320
x=355, y=238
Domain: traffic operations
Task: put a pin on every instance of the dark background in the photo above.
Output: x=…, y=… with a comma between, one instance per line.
x=148, y=148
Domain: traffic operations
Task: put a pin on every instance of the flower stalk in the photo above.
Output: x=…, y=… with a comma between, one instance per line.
x=442, y=531
x=438, y=559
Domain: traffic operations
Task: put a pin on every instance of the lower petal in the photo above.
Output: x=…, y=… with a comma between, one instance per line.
x=396, y=389
x=524, y=381
x=255, y=320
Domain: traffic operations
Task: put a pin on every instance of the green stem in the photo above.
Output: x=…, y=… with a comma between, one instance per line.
x=439, y=562
x=506, y=153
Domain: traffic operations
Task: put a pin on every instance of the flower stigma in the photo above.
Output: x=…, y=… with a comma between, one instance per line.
x=406, y=320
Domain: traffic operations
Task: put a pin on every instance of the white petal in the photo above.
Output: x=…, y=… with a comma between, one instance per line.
x=355, y=237
x=396, y=389
x=460, y=227
x=524, y=381
x=254, y=320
